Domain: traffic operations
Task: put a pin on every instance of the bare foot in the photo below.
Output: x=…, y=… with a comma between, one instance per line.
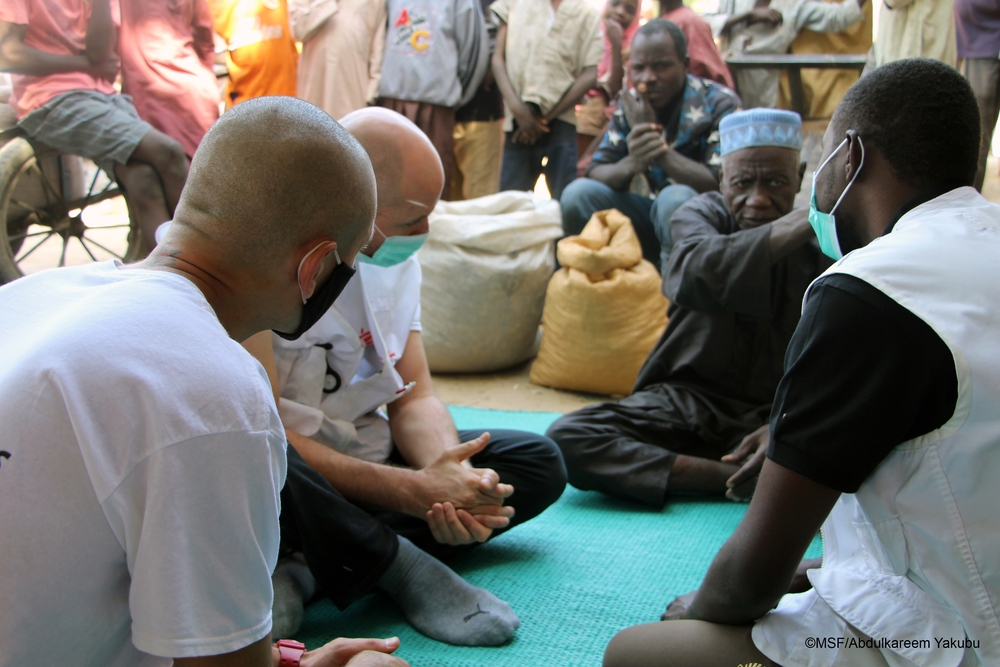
x=690, y=473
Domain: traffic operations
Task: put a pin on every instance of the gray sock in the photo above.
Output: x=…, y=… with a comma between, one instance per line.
x=442, y=605
x=293, y=585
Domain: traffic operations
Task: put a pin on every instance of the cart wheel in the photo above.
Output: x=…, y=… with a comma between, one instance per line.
x=59, y=210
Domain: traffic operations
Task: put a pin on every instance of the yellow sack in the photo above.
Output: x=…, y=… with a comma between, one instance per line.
x=604, y=310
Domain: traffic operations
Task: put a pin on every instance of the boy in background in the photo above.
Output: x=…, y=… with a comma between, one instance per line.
x=545, y=61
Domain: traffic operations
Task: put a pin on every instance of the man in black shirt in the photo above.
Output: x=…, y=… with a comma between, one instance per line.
x=877, y=402
x=742, y=261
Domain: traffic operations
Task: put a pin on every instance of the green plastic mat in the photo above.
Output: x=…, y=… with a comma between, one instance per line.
x=583, y=570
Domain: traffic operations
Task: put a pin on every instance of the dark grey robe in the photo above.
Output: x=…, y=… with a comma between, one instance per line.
x=711, y=378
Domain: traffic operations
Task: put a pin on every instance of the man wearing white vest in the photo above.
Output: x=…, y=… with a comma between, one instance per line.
x=885, y=429
x=390, y=492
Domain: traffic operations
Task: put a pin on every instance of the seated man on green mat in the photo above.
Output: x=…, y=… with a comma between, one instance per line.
x=389, y=492
x=741, y=263
x=885, y=426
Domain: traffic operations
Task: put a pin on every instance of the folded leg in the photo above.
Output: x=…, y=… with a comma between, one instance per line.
x=630, y=448
x=684, y=644
x=347, y=550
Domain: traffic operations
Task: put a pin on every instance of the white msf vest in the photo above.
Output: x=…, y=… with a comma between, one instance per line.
x=915, y=553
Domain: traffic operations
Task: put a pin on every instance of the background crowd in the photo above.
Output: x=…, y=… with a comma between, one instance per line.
x=557, y=68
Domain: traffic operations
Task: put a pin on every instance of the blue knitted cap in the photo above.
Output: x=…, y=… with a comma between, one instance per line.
x=760, y=127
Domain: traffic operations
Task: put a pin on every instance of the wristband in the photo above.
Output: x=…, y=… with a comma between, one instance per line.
x=290, y=652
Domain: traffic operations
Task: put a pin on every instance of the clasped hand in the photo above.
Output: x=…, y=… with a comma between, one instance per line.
x=646, y=145
x=465, y=503
x=530, y=125
x=645, y=138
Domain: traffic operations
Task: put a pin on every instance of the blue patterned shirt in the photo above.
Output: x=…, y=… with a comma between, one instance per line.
x=693, y=132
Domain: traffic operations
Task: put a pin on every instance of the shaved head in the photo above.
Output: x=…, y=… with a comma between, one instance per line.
x=279, y=195
x=408, y=171
x=274, y=173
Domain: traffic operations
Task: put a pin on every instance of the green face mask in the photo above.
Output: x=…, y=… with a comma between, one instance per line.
x=394, y=249
x=825, y=224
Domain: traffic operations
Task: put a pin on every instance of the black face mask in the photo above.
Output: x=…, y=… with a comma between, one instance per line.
x=321, y=300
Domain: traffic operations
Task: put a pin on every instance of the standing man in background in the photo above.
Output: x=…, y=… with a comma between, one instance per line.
x=261, y=55
x=916, y=29
x=752, y=28
x=168, y=55
x=342, y=47
x=436, y=56
x=479, y=135
x=978, y=37
x=546, y=60
x=824, y=88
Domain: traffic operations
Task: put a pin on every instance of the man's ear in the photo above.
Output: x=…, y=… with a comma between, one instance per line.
x=312, y=266
x=855, y=155
x=802, y=174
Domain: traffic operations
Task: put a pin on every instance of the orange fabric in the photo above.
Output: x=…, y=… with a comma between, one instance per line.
x=262, y=57
x=824, y=88
x=54, y=26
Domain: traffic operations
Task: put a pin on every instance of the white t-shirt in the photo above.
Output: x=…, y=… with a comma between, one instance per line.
x=139, y=503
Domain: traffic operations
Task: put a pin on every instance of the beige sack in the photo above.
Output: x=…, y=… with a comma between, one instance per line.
x=604, y=310
x=486, y=265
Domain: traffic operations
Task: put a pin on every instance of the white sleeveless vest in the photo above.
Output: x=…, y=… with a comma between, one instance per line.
x=915, y=553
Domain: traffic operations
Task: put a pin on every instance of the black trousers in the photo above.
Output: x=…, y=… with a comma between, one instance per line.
x=626, y=449
x=348, y=549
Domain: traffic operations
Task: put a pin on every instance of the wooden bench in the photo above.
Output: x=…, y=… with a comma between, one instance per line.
x=794, y=64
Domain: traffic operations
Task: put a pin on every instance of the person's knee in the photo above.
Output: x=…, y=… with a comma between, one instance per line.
x=550, y=461
x=166, y=155
x=559, y=433
x=669, y=200
x=619, y=652
x=141, y=182
x=579, y=200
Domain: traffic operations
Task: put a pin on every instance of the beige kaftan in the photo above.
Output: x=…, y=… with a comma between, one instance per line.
x=341, y=57
x=916, y=29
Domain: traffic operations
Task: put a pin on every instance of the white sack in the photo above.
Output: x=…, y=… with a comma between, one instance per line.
x=486, y=265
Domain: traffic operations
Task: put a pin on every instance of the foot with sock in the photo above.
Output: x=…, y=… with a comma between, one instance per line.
x=293, y=585
x=442, y=605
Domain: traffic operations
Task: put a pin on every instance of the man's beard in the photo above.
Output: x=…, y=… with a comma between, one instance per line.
x=847, y=225
x=847, y=232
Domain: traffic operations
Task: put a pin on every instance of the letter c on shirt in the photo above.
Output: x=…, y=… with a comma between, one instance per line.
x=419, y=40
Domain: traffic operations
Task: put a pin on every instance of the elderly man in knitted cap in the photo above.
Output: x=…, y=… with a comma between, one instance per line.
x=741, y=262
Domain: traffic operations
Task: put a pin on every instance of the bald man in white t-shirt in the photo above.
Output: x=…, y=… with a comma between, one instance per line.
x=143, y=452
